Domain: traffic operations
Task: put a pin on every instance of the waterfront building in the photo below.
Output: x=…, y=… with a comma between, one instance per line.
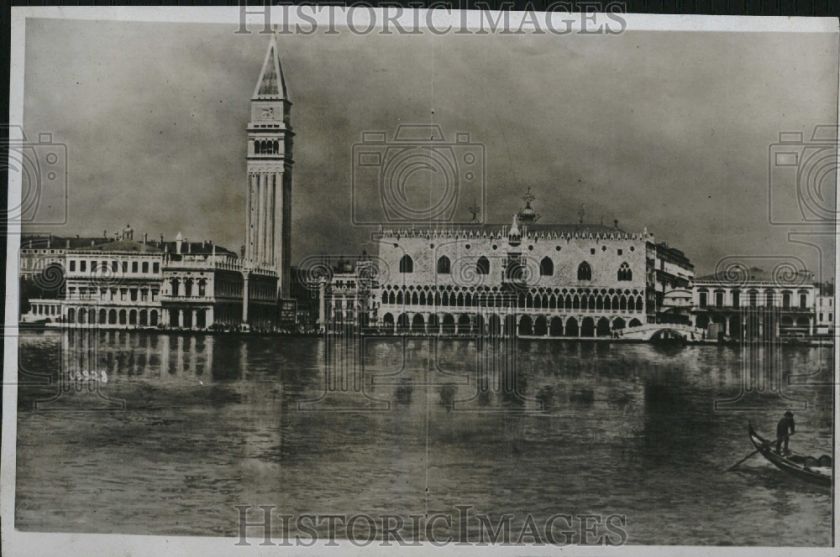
x=39, y=251
x=345, y=294
x=120, y=282
x=205, y=287
x=114, y=284
x=752, y=303
x=177, y=285
x=673, y=277
x=825, y=314
x=541, y=280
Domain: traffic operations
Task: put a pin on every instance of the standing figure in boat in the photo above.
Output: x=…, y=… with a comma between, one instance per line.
x=784, y=430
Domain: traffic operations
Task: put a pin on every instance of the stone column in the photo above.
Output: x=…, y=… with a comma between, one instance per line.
x=264, y=214
x=244, y=298
x=322, y=304
x=272, y=197
x=257, y=217
x=180, y=317
x=209, y=317
x=194, y=324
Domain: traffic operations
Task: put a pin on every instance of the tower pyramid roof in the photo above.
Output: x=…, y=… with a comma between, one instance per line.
x=271, y=83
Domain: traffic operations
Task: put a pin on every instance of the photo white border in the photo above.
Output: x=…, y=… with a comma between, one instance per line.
x=16, y=542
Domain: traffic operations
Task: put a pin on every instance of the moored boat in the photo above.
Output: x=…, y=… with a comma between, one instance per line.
x=805, y=468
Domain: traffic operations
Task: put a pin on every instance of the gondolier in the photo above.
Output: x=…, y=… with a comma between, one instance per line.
x=784, y=429
x=814, y=470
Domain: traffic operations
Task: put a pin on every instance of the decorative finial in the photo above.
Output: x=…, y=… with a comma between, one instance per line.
x=528, y=197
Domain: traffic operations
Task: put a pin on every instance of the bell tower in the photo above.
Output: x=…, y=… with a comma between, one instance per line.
x=269, y=163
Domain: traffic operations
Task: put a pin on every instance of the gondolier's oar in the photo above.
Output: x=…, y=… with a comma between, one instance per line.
x=749, y=455
x=742, y=460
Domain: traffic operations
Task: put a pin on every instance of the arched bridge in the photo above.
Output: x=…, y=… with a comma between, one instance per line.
x=663, y=331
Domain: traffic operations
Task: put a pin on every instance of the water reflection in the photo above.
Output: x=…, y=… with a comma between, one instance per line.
x=403, y=425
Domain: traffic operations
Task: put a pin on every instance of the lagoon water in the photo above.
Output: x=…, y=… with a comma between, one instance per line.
x=150, y=433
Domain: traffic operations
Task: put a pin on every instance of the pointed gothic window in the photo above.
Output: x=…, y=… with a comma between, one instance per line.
x=482, y=267
x=406, y=264
x=584, y=271
x=624, y=272
x=546, y=267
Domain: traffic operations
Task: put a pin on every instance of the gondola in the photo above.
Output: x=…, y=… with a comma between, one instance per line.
x=804, y=468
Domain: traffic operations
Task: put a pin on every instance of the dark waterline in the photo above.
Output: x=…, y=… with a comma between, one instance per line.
x=188, y=427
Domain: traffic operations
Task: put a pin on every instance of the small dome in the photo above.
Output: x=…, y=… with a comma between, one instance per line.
x=527, y=215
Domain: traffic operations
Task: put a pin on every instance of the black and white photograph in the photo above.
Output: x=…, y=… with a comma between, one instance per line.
x=367, y=280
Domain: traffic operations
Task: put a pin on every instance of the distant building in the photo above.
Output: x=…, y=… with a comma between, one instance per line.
x=119, y=282
x=155, y=284
x=673, y=277
x=825, y=314
x=752, y=303
x=345, y=295
x=542, y=280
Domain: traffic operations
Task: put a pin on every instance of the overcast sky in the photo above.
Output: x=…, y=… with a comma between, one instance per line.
x=666, y=130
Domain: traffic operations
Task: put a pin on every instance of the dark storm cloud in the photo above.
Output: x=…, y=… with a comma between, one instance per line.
x=665, y=130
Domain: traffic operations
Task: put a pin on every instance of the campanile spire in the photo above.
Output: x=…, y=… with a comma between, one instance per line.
x=269, y=163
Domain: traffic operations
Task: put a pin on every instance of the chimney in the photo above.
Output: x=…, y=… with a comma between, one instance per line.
x=161, y=239
x=145, y=238
x=179, y=240
x=615, y=223
x=189, y=247
x=49, y=241
x=68, y=243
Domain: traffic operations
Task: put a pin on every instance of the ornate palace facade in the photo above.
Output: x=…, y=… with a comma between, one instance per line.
x=578, y=280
